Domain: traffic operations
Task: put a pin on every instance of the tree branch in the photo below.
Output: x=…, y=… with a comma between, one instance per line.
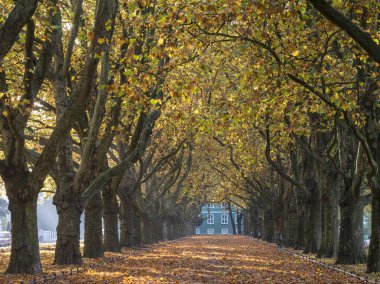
x=131, y=158
x=363, y=38
x=20, y=15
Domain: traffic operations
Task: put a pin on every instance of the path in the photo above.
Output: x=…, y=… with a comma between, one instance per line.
x=219, y=259
x=198, y=259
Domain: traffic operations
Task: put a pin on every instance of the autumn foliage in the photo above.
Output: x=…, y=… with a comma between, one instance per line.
x=136, y=113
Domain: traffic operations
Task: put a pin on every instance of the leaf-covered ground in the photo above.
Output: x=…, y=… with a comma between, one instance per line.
x=199, y=259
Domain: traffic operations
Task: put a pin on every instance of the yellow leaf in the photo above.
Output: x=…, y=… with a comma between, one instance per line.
x=296, y=53
x=160, y=41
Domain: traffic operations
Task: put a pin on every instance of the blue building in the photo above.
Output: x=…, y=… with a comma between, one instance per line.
x=216, y=220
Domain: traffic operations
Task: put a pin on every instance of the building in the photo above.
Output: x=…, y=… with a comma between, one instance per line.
x=47, y=236
x=216, y=220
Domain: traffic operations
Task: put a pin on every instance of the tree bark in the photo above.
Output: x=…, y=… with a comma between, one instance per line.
x=69, y=209
x=110, y=218
x=312, y=205
x=158, y=232
x=254, y=214
x=373, y=264
x=351, y=245
x=363, y=38
x=231, y=216
x=147, y=229
x=171, y=234
x=239, y=223
x=19, y=16
x=125, y=223
x=130, y=219
x=93, y=236
x=268, y=226
x=329, y=214
x=369, y=104
x=25, y=256
x=301, y=219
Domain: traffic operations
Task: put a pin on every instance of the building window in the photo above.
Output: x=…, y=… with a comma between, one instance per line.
x=224, y=219
x=211, y=205
x=197, y=231
x=236, y=218
x=224, y=205
x=224, y=231
x=210, y=219
x=210, y=231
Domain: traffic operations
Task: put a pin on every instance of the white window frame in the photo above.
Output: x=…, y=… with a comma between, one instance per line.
x=210, y=231
x=224, y=221
x=236, y=218
x=224, y=231
x=211, y=205
x=197, y=231
x=210, y=219
x=224, y=205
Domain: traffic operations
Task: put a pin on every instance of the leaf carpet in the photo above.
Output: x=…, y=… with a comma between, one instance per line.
x=197, y=259
x=224, y=259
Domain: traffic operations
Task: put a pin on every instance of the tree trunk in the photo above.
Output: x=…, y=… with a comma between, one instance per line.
x=130, y=222
x=300, y=242
x=239, y=223
x=171, y=229
x=93, y=237
x=158, y=232
x=69, y=209
x=231, y=218
x=312, y=226
x=254, y=214
x=279, y=213
x=313, y=209
x=351, y=244
x=261, y=227
x=110, y=218
x=268, y=233
x=124, y=223
x=181, y=230
x=373, y=264
x=329, y=214
x=66, y=198
x=165, y=230
x=147, y=229
x=370, y=106
x=299, y=197
x=25, y=255
x=175, y=229
x=290, y=221
x=329, y=182
x=136, y=226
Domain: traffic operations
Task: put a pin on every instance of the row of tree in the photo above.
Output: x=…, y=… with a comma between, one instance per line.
x=292, y=93
x=150, y=108
x=83, y=84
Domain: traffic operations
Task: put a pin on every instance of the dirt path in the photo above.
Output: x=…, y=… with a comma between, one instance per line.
x=200, y=259
x=221, y=259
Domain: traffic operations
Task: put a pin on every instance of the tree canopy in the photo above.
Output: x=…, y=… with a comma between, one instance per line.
x=150, y=109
